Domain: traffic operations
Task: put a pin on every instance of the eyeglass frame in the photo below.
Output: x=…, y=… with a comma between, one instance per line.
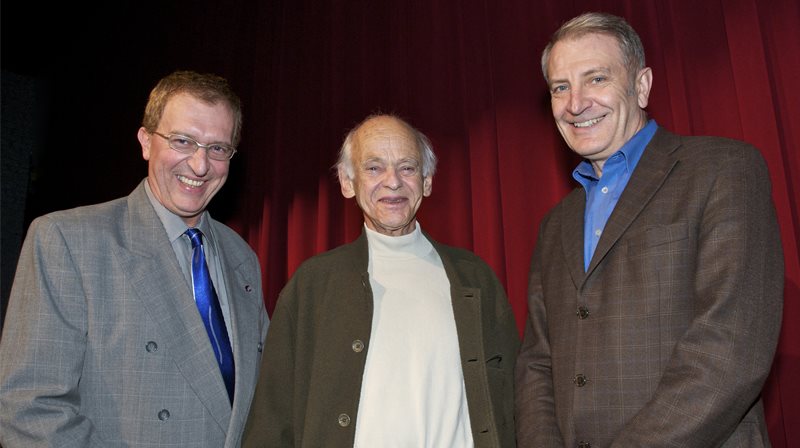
x=197, y=145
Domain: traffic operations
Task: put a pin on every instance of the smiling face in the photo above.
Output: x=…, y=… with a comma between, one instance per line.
x=387, y=180
x=185, y=183
x=595, y=106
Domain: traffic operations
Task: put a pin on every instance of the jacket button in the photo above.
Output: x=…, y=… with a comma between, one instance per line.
x=583, y=444
x=344, y=420
x=151, y=347
x=358, y=346
x=163, y=415
x=582, y=312
x=580, y=380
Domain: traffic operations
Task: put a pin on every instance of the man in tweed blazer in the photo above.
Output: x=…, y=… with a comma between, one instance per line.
x=655, y=290
x=103, y=345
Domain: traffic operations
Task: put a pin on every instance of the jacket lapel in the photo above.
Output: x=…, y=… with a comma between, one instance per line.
x=574, y=207
x=157, y=280
x=648, y=176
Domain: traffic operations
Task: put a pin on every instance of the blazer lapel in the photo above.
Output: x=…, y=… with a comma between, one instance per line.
x=157, y=279
x=648, y=176
x=574, y=207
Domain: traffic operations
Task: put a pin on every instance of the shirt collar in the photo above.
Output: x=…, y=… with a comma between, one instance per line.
x=173, y=223
x=411, y=245
x=630, y=153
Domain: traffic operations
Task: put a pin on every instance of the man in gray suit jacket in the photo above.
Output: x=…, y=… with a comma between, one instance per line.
x=103, y=343
x=655, y=289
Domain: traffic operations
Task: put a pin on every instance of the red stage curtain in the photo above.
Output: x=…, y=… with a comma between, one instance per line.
x=467, y=74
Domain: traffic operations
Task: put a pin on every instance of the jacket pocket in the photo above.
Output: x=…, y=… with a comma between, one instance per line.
x=655, y=236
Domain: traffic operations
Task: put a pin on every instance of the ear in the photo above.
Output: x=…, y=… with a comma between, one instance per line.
x=144, y=140
x=427, y=186
x=348, y=189
x=644, y=80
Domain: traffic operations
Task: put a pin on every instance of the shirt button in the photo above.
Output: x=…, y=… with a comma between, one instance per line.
x=358, y=346
x=598, y=232
x=604, y=190
x=163, y=415
x=583, y=312
x=344, y=420
x=151, y=347
x=580, y=380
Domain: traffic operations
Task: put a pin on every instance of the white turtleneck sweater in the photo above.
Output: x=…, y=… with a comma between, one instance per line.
x=413, y=392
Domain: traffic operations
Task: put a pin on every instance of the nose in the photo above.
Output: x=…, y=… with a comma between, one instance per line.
x=198, y=162
x=577, y=102
x=392, y=179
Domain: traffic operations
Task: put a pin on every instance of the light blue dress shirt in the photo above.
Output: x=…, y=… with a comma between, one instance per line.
x=602, y=193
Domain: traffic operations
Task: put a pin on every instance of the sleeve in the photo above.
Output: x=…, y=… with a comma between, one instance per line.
x=271, y=419
x=43, y=345
x=717, y=369
x=534, y=405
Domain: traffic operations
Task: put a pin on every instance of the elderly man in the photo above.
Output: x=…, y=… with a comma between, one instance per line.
x=656, y=287
x=393, y=340
x=140, y=322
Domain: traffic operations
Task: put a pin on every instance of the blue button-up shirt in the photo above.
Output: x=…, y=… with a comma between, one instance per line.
x=602, y=193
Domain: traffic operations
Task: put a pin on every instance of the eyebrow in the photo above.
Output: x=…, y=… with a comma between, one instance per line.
x=584, y=74
x=184, y=134
x=383, y=161
x=596, y=70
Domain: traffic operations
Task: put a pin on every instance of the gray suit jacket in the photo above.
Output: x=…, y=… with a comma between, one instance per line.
x=668, y=337
x=103, y=344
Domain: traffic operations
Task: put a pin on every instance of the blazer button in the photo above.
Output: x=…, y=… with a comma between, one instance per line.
x=580, y=380
x=583, y=444
x=248, y=288
x=344, y=420
x=163, y=415
x=151, y=347
x=582, y=312
x=260, y=347
x=358, y=346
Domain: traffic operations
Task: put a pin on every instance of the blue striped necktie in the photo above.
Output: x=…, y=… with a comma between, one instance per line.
x=208, y=304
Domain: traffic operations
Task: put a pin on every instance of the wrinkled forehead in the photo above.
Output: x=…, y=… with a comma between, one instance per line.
x=385, y=135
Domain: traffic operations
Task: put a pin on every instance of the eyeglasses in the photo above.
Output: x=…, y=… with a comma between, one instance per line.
x=186, y=145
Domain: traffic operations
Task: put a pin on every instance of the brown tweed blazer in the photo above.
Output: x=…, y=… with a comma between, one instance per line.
x=668, y=337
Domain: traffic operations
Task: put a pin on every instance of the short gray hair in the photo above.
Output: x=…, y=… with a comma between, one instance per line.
x=601, y=23
x=345, y=161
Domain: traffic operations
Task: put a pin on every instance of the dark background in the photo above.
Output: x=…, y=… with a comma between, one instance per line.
x=75, y=79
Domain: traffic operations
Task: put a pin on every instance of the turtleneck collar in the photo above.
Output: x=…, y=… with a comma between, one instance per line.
x=412, y=245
